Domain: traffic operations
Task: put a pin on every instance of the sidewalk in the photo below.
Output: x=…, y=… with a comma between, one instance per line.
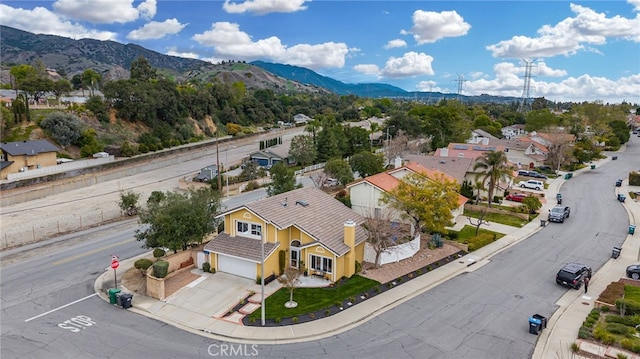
x=562, y=329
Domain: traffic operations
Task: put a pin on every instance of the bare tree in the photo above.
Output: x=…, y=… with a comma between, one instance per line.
x=398, y=146
x=318, y=179
x=290, y=279
x=382, y=232
x=557, y=142
x=479, y=221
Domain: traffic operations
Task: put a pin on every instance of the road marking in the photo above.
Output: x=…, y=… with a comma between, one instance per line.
x=64, y=306
x=69, y=259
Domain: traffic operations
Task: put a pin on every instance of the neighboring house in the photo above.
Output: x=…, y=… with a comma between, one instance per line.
x=454, y=167
x=521, y=151
x=22, y=156
x=366, y=193
x=301, y=119
x=272, y=155
x=481, y=137
x=466, y=150
x=548, y=139
x=207, y=174
x=513, y=131
x=306, y=223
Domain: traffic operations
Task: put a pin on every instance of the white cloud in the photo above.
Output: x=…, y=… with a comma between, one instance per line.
x=105, y=11
x=368, y=69
x=189, y=55
x=156, y=30
x=230, y=42
x=429, y=26
x=430, y=86
x=395, y=44
x=570, y=35
x=410, y=64
x=42, y=21
x=636, y=4
x=263, y=7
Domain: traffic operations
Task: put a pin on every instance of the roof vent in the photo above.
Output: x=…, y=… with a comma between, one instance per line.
x=286, y=200
x=302, y=203
x=443, y=161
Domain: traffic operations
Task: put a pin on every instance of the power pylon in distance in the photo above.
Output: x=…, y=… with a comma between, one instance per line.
x=460, y=82
x=525, y=100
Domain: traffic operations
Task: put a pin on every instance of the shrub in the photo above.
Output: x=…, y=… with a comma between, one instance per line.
x=65, y=128
x=453, y=235
x=628, y=307
x=160, y=269
x=376, y=289
x=282, y=259
x=143, y=264
x=294, y=320
x=312, y=316
x=278, y=320
x=575, y=347
x=621, y=356
x=419, y=271
x=627, y=343
x=158, y=252
x=584, y=333
x=252, y=320
x=630, y=321
x=258, y=280
x=358, y=267
x=617, y=328
x=327, y=312
x=636, y=348
x=252, y=185
x=206, y=267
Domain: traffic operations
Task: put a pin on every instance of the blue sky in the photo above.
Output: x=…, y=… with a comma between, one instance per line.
x=578, y=51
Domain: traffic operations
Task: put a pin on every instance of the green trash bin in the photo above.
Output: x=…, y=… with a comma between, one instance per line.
x=113, y=295
x=593, y=167
x=632, y=229
x=568, y=175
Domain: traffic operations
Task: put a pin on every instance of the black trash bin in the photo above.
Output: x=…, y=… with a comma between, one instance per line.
x=119, y=299
x=537, y=322
x=615, y=252
x=126, y=300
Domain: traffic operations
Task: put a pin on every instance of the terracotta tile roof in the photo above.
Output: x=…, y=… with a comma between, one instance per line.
x=383, y=180
x=240, y=247
x=316, y=213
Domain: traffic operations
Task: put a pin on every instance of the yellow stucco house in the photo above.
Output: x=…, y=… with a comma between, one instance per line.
x=310, y=227
x=26, y=155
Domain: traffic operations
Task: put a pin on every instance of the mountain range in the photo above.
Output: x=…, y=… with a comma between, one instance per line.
x=112, y=59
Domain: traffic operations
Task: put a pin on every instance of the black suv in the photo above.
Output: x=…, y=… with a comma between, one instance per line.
x=573, y=275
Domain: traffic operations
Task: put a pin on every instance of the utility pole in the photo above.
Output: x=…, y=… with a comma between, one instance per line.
x=460, y=82
x=218, y=165
x=525, y=99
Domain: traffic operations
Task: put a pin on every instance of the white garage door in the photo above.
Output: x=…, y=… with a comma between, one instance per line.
x=236, y=266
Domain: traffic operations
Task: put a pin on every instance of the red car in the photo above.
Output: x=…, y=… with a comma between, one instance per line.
x=516, y=197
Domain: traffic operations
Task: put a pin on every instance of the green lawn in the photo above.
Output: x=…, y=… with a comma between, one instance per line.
x=632, y=293
x=470, y=231
x=498, y=218
x=313, y=299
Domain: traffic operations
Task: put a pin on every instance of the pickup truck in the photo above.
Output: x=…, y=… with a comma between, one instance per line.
x=559, y=214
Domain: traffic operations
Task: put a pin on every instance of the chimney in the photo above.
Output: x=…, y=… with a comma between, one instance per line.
x=444, y=152
x=350, y=241
x=397, y=163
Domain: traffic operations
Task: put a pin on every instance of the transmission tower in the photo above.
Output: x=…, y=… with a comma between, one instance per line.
x=460, y=82
x=525, y=101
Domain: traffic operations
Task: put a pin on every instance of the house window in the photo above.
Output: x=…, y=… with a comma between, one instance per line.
x=248, y=229
x=321, y=264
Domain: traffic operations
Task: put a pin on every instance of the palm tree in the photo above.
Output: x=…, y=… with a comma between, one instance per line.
x=494, y=167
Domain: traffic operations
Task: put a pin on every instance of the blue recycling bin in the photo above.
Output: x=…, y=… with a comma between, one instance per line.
x=536, y=323
x=632, y=229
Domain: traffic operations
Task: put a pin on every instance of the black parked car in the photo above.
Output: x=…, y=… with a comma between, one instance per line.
x=633, y=271
x=573, y=275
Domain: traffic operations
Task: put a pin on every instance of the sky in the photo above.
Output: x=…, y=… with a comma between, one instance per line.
x=571, y=50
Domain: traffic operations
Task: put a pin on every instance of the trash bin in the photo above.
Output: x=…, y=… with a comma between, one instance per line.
x=113, y=292
x=119, y=299
x=593, y=167
x=536, y=323
x=632, y=229
x=568, y=175
x=615, y=253
x=619, y=183
x=543, y=223
x=125, y=299
x=621, y=198
x=614, y=158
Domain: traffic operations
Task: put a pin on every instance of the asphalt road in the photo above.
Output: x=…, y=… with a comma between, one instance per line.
x=49, y=308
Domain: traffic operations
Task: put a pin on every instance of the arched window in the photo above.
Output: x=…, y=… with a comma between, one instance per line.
x=294, y=254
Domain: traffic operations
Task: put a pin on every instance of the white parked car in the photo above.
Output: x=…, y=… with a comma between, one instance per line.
x=532, y=184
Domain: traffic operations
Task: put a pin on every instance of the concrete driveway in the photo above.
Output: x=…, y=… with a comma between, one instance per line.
x=212, y=295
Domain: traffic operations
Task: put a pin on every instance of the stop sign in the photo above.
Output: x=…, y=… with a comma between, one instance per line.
x=115, y=264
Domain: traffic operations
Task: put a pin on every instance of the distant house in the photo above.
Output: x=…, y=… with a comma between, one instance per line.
x=481, y=137
x=513, y=131
x=311, y=228
x=454, y=167
x=301, y=119
x=466, y=150
x=207, y=174
x=272, y=155
x=22, y=156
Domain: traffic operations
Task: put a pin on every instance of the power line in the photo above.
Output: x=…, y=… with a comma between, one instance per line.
x=460, y=82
